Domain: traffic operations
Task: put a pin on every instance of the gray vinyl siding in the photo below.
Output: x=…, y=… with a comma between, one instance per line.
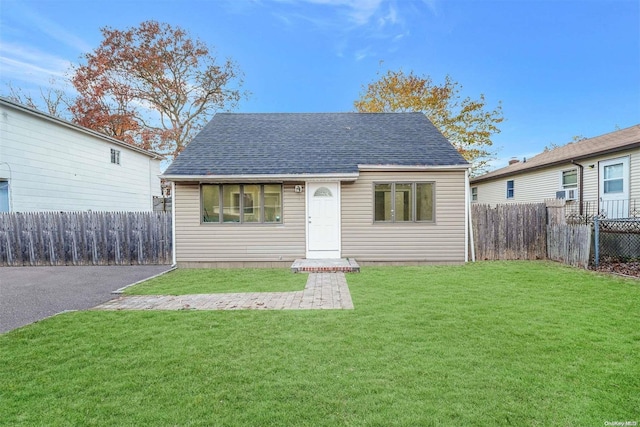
x=441, y=241
x=197, y=242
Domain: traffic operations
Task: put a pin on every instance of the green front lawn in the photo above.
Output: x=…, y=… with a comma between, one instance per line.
x=203, y=281
x=514, y=343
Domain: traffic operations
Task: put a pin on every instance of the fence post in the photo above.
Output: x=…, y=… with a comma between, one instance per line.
x=596, y=244
x=556, y=211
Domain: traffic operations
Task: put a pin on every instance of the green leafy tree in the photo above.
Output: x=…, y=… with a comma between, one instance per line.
x=468, y=124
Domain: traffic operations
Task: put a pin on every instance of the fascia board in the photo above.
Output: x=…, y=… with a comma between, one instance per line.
x=262, y=178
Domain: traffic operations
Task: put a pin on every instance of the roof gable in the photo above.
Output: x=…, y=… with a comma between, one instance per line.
x=312, y=143
x=611, y=142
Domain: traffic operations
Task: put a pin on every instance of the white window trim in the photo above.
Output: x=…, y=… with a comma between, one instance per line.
x=573, y=186
x=513, y=189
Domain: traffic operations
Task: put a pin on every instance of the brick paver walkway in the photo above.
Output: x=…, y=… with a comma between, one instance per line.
x=323, y=291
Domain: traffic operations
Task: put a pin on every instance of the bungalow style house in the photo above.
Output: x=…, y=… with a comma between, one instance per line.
x=267, y=189
x=49, y=164
x=595, y=176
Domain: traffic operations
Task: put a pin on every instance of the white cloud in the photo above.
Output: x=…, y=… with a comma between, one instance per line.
x=283, y=19
x=363, y=53
x=359, y=11
x=56, y=31
x=431, y=4
x=23, y=63
x=400, y=36
x=390, y=18
x=353, y=24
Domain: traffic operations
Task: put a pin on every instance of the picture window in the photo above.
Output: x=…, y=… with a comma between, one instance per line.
x=241, y=203
x=404, y=202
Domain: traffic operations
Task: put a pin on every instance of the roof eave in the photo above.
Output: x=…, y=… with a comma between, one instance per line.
x=564, y=161
x=262, y=178
x=409, y=168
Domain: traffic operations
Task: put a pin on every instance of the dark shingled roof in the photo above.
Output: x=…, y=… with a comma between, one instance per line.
x=312, y=143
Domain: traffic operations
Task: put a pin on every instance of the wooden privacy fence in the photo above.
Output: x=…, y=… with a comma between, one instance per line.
x=570, y=244
x=85, y=238
x=520, y=231
x=162, y=204
x=508, y=232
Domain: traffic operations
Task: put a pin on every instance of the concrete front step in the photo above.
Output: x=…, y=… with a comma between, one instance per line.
x=343, y=265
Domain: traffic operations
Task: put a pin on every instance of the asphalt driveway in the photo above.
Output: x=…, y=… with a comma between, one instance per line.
x=28, y=294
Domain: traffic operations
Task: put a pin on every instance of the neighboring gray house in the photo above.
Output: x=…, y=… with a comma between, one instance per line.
x=49, y=164
x=599, y=175
x=266, y=189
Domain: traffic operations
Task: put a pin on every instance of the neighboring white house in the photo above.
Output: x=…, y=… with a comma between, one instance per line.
x=49, y=164
x=598, y=175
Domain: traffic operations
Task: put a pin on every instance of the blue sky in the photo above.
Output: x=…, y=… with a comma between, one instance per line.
x=561, y=68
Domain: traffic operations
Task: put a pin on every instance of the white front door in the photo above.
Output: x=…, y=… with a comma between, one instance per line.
x=323, y=220
x=614, y=188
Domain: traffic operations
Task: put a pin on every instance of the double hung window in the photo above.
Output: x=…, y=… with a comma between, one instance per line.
x=569, y=179
x=115, y=156
x=510, y=189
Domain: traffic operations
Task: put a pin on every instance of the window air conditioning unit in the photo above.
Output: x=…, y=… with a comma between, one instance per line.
x=571, y=194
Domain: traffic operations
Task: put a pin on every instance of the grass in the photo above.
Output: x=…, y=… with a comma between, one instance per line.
x=514, y=343
x=202, y=281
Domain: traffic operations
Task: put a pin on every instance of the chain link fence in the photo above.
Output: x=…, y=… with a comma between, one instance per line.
x=616, y=240
x=585, y=212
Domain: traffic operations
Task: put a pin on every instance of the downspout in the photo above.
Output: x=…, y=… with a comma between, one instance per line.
x=173, y=223
x=468, y=222
x=466, y=215
x=580, y=186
